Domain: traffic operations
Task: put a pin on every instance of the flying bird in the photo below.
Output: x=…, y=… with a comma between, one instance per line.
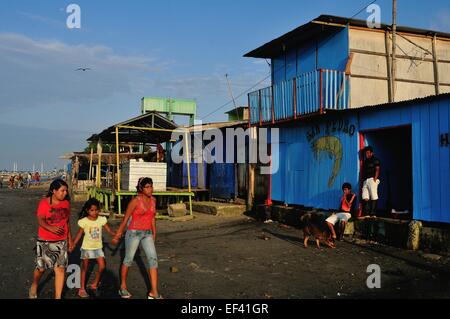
x=83, y=69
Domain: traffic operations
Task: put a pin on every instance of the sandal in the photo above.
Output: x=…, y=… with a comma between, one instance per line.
x=125, y=294
x=155, y=297
x=83, y=294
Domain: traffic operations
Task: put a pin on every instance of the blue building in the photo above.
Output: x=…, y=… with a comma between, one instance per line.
x=322, y=131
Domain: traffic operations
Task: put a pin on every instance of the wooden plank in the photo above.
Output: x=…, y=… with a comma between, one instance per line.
x=389, y=67
x=435, y=66
x=399, y=56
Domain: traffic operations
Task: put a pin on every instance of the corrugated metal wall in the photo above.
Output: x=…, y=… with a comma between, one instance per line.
x=330, y=52
x=315, y=160
x=430, y=161
x=308, y=156
x=222, y=181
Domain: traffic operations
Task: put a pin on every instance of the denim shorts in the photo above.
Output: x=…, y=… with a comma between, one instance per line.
x=91, y=253
x=143, y=238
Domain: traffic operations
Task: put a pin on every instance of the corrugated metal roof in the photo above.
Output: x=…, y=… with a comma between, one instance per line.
x=375, y=107
x=322, y=26
x=395, y=104
x=148, y=120
x=206, y=126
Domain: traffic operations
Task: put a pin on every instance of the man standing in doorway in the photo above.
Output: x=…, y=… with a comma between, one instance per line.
x=371, y=174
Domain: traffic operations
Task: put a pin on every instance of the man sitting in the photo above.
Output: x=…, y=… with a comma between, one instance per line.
x=346, y=209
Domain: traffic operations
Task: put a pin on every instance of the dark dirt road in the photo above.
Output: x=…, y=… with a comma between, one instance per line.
x=218, y=257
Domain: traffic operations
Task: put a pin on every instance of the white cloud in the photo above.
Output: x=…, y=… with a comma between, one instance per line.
x=38, y=73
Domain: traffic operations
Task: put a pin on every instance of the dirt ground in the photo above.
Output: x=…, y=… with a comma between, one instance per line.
x=218, y=257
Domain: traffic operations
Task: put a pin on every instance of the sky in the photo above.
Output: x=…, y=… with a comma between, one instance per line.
x=136, y=48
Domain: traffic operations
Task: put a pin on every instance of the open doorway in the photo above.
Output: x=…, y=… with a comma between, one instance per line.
x=393, y=147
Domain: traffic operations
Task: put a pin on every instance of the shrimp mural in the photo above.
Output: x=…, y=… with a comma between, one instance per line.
x=332, y=146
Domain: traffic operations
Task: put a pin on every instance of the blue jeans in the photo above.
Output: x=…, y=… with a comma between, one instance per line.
x=145, y=238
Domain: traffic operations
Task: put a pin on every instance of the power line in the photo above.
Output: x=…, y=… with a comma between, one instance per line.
x=274, y=71
x=363, y=9
x=241, y=94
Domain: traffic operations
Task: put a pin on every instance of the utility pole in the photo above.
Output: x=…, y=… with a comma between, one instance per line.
x=232, y=96
x=394, y=47
x=236, y=186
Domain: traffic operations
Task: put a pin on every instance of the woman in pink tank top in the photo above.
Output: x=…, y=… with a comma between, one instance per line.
x=140, y=218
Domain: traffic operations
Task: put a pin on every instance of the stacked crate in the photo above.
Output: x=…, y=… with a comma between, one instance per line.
x=133, y=170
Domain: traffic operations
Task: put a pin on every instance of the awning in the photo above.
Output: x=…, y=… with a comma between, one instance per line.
x=132, y=133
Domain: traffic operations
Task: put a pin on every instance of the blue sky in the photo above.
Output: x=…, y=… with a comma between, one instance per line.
x=175, y=48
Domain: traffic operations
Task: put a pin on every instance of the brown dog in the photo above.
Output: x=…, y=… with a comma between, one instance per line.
x=314, y=226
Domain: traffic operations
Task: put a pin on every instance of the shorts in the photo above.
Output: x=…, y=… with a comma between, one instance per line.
x=91, y=253
x=51, y=254
x=143, y=238
x=370, y=189
x=333, y=219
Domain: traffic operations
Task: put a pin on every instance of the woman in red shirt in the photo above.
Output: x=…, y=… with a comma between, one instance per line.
x=140, y=218
x=54, y=239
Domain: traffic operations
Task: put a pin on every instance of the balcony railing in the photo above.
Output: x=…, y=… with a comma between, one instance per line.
x=308, y=93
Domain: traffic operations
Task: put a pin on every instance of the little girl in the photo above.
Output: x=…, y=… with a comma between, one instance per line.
x=91, y=225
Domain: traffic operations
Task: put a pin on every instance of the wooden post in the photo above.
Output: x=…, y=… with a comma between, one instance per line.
x=269, y=192
x=117, y=159
x=436, y=66
x=188, y=164
x=251, y=176
x=389, y=67
x=99, y=164
x=90, y=163
x=119, y=204
x=394, y=48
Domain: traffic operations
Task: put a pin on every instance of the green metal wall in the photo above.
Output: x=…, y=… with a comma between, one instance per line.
x=170, y=107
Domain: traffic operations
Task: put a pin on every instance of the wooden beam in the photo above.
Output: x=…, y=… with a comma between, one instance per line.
x=401, y=32
x=435, y=67
x=99, y=163
x=388, y=63
x=374, y=77
x=406, y=57
x=394, y=48
x=349, y=63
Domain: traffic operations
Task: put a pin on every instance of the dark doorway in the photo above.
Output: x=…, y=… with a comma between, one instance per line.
x=393, y=148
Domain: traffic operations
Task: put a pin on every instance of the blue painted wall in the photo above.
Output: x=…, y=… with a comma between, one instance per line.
x=304, y=174
x=222, y=176
x=330, y=52
x=430, y=162
x=222, y=181
x=303, y=179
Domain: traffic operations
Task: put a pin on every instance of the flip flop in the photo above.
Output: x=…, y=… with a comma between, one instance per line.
x=155, y=297
x=125, y=294
x=83, y=294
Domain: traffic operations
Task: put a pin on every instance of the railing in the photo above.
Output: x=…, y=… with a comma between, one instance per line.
x=308, y=93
